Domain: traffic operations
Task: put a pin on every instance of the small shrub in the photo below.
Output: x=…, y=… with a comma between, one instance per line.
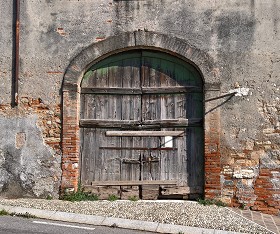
x=242, y=206
x=49, y=197
x=133, y=198
x=208, y=202
x=205, y=202
x=112, y=197
x=3, y=212
x=79, y=195
x=220, y=203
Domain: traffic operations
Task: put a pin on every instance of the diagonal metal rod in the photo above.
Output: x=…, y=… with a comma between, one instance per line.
x=226, y=95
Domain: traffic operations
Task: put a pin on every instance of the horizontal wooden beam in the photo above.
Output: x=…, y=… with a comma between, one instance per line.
x=132, y=183
x=91, y=123
x=112, y=90
x=144, y=133
x=143, y=90
x=137, y=124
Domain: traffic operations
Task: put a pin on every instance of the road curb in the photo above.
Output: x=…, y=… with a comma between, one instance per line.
x=112, y=222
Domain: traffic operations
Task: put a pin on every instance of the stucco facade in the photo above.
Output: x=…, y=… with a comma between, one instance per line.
x=235, y=45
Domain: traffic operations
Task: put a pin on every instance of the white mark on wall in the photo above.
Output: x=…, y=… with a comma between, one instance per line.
x=240, y=92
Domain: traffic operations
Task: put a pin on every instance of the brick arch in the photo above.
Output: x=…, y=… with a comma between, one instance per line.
x=130, y=41
x=136, y=40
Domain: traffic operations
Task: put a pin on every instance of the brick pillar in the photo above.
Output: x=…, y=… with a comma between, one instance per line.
x=212, y=143
x=70, y=140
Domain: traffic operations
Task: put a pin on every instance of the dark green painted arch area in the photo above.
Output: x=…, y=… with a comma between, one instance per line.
x=182, y=72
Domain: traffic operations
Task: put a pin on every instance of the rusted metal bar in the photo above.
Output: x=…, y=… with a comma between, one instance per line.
x=15, y=78
x=226, y=95
x=144, y=133
x=136, y=148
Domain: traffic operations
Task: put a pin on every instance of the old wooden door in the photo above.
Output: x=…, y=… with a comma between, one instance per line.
x=141, y=120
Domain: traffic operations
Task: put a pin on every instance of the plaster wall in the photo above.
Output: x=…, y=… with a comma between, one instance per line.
x=242, y=37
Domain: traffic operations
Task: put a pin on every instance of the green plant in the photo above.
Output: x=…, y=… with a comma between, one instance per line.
x=79, y=195
x=133, y=198
x=112, y=197
x=3, y=212
x=49, y=197
x=219, y=203
x=207, y=202
x=180, y=233
x=242, y=206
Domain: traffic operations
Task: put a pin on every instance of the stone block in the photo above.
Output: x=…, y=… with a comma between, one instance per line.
x=227, y=192
x=150, y=192
x=129, y=192
x=103, y=192
x=268, y=130
x=249, y=145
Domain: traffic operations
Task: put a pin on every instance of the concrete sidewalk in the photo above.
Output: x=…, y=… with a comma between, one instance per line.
x=113, y=222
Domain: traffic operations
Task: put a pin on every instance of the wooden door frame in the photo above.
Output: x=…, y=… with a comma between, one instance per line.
x=131, y=41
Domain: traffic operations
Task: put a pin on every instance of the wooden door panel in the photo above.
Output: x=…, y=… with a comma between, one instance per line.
x=130, y=164
x=115, y=71
x=150, y=158
x=100, y=163
x=114, y=107
x=195, y=161
x=146, y=88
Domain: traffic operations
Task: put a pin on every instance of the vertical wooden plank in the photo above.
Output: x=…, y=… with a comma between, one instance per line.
x=88, y=161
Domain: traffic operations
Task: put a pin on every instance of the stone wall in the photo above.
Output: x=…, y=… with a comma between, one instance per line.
x=242, y=39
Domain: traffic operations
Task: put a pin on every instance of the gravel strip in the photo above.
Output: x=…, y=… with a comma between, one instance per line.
x=171, y=212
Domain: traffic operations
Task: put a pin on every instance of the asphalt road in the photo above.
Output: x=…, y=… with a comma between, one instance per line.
x=11, y=225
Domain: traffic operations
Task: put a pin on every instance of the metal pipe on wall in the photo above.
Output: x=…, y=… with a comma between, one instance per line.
x=15, y=78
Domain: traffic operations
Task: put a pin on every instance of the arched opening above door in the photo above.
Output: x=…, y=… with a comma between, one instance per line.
x=177, y=48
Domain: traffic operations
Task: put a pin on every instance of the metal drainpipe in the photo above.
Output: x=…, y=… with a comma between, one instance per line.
x=16, y=54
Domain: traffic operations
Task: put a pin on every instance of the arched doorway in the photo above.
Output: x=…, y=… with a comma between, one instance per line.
x=141, y=126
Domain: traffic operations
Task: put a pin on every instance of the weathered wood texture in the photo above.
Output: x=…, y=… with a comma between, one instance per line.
x=156, y=96
x=144, y=133
x=130, y=124
x=133, y=182
x=134, y=91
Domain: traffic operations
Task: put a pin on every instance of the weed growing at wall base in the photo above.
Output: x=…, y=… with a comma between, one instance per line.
x=133, y=198
x=112, y=197
x=208, y=202
x=80, y=195
x=3, y=212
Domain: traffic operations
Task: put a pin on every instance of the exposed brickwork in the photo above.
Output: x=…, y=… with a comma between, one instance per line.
x=70, y=142
x=268, y=194
x=251, y=175
x=49, y=118
x=212, y=156
x=247, y=183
